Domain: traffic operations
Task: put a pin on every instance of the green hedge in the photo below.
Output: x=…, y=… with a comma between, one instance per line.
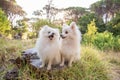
x=103, y=41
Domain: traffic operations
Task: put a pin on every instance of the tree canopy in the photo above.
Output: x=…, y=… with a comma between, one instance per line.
x=106, y=8
x=11, y=9
x=75, y=12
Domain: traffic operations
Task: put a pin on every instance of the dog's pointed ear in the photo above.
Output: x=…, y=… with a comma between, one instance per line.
x=64, y=25
x=73, y=25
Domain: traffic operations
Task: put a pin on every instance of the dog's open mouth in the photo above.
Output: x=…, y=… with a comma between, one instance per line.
x=63, y=37
x=51, y=37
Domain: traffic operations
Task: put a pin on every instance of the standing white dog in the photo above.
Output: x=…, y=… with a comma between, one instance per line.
x=70, y=45
x=48, y=46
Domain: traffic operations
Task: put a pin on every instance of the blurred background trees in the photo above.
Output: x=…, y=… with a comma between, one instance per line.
x=11, y=9
x=4, y=24
x=11, y=12
x=106, y=8
x=103, y=15
x=75, y=13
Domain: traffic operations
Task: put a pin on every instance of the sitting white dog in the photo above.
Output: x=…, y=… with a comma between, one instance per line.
x=70, y=45
x=48, y=46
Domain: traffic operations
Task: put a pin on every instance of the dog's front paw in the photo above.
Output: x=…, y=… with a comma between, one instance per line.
x=49, y=68
x=62, y=64
x=42, y=65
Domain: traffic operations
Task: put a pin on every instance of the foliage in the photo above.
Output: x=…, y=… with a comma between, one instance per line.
x=51, y=11
x=11, y=9
x=90, y=34
x=106, y=8
x=38, y=13
x=92, y=29
x=32, y=35
x=103, y=41
x=86, y=19
x=22, y=25
x=40, y=23
x=75, y=13
x=114, y=25
x=4, y=23
x=21, y=29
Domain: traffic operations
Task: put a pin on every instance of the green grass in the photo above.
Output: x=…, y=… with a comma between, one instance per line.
x=94, y=64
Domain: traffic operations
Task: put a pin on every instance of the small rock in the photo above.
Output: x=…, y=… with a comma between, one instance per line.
x=36, y=62
x=30, y=53
x=12, y=74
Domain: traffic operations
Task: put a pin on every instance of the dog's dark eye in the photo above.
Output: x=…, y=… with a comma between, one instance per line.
x=48, y=32
x=66, y=32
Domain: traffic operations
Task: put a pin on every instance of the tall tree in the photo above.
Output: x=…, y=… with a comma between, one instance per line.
x=11, y=9
x=51, y=11
x=87, y=18
x=48, y=8
x=106, y=8
x=75, y=12
x=38, y=13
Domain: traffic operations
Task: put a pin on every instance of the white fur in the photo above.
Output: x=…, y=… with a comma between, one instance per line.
x=70, y=44
x=48, y=50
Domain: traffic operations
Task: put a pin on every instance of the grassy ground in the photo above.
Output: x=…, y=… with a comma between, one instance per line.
x=94, y=64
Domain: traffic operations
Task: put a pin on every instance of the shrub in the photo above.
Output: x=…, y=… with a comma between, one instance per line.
x=4, y=24
x=114, y=25
x=40, y=23
x=103, y=41
x=87, y=18
x=90, y=34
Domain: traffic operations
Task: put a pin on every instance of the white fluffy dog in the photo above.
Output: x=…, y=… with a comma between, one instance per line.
x=70, y=45
x=48, y=46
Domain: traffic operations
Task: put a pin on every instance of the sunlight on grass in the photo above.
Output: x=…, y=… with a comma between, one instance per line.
x=93, y=65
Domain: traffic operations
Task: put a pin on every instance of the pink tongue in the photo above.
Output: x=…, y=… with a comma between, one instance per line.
x=50, y=38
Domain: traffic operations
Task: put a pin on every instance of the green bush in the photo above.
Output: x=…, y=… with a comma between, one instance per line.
x=32, y=35
x=4, y=24
x=116, y=43
x=87, y=18
x=103, y=41
x=114, y=25
x=40, y=23
x=89, y=36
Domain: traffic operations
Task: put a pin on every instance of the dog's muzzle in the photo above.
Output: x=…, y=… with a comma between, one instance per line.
x=63, y=37
x=51, y=36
